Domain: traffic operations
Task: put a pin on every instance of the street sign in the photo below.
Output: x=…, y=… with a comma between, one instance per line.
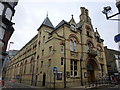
x=117, y=38
x=54, y=68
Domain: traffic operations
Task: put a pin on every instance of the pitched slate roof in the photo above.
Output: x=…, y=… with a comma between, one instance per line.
x=47, y=22
x=62, y=23
x=79, y=25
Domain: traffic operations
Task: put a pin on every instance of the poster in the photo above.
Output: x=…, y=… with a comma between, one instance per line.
x=59, y=75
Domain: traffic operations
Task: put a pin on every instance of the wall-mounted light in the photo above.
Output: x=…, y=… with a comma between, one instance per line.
x=107, y=9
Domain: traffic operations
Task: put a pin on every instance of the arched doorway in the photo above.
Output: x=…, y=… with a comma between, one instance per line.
x=91, y=67
x=44, y=79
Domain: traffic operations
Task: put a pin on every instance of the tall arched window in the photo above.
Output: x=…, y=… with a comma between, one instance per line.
x=75, y=46
x=99, y=51
x=90, y=46
x=25, y=67
x=71, y=45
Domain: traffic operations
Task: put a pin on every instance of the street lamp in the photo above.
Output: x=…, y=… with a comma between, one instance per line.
x=108, y=9
x=9, y=45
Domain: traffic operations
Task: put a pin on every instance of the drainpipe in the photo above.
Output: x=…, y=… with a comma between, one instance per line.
x=81, y=59
x=64, y=58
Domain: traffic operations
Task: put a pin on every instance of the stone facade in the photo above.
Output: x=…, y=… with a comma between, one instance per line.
x=113, y=62
x=75, y=49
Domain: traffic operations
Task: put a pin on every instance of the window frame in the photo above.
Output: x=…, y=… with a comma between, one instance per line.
x=74, y=68
x=71, y=45
x=62, y=61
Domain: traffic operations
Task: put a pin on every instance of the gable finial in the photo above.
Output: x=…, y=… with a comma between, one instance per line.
x=47, y=13
x=96, y=29
x=72, y=15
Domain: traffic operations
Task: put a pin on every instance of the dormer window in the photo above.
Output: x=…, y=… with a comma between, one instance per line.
x=72, y=27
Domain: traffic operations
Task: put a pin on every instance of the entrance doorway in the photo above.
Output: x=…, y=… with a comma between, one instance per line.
x=91, y=67
x=44, y=79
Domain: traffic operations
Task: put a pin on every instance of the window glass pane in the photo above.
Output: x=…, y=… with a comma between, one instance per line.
x=49, y=62
x=75, y=46
x=62, y=48
x=75, y=62
x=1, y=8
x=75, y=73
x=2, y=31
x=62, y=61
x=43, y=38
x=75, y=67
x=71, y=72
x=8, y=13
x=71, y=67
x=71, y=62
x=50, y=48
x=41, y=63
x=71, y=45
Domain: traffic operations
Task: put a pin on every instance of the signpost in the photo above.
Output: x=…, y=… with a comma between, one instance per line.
x=54, y=71
x=117, y=38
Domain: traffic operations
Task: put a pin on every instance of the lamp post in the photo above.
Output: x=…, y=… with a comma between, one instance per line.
x=9, y=45
x=108, y=9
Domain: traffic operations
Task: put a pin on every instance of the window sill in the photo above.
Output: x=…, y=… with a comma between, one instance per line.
x=74, y=77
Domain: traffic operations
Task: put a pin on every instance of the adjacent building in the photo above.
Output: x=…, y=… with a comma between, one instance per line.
x=66, y=55
x=6, y=27
x=113, y=63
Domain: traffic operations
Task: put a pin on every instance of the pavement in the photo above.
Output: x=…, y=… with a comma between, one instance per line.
x=15, y=85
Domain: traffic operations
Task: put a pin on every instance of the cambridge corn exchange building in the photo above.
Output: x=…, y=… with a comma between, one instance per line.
x=70, y=53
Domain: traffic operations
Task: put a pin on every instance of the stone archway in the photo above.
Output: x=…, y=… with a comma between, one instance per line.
x=91, y=68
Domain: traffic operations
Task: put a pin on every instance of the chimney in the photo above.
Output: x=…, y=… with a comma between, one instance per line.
x=86, y=12
x=84, y=16
x=82, y=10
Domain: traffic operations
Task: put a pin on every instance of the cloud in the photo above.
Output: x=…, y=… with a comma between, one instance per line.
x=30, y=14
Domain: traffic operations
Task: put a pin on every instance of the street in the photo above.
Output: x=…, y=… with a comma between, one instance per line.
x=115, y=87
x=15, y=85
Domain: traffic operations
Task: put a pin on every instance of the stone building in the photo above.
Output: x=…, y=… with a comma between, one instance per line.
x=113, y=62
x=69, y=54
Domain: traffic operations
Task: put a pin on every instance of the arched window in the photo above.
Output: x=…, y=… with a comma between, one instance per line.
x=75, y=46
x=25, y=67
x=71, y=45
x=99, y=51
x=90, y=46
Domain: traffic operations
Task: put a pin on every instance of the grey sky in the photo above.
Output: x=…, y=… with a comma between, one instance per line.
x=29, y=16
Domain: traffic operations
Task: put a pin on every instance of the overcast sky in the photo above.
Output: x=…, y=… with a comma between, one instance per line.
x=30, y=14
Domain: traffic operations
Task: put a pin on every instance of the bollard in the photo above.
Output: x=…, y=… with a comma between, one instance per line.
x=2, y=83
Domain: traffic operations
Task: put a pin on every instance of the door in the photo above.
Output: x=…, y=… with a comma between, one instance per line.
x=91, y=76
x=44, y=79
x=35, y=80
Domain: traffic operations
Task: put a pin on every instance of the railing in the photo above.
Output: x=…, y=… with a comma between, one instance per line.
x=96, y=83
